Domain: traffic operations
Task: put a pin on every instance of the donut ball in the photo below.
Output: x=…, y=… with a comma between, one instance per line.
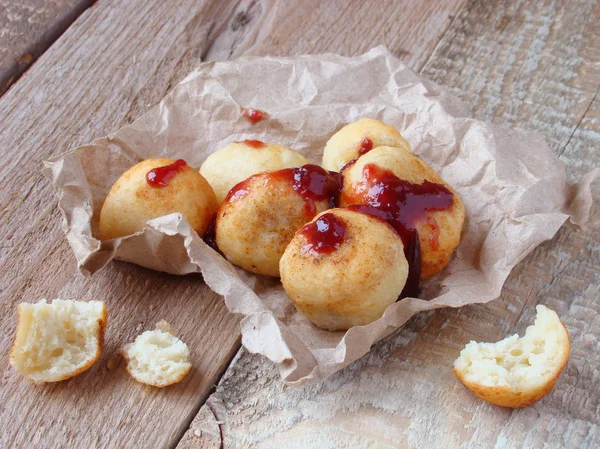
x=154, y=188
x=240, y=160
x=358, y=138
x=343, y=269
x=260, y=215
x=439, y=230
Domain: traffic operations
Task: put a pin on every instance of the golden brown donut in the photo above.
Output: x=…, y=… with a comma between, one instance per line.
x=357, y=138
x=343, y=269
x=133, y=200
x=261, y=214
x=439, y=230
x=240, y=160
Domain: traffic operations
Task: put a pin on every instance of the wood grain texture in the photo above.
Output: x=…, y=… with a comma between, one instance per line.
x=28, y=28
x=114, y=63
x=409, y=28
x=531, y=65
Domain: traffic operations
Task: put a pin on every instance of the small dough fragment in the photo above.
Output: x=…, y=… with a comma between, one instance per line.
x=58, y=340
x=157, y=357
x=516, y=372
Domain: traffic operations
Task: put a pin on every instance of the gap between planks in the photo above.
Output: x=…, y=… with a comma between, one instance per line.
x=29, y=28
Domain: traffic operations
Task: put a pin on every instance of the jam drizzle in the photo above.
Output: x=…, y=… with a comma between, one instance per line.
x=160, y=176
x=314, y=184
x=253, y=143
x=402, y=204
x=311, y=182
x=240, y=190
x=347, y=165
x=254, y=115
x=210, y=235
x=435, y=233
x=365, y=146
x=324, y=235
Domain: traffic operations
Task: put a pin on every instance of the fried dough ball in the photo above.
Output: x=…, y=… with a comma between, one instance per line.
x=439, y=230
x=357, y=138
x=133, y=199
x=261, y=214
x=240, y=160
x=344, y=269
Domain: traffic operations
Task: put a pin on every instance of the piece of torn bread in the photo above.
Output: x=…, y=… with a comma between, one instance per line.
x=157, y=357
x=516, y=372
x=58, y=340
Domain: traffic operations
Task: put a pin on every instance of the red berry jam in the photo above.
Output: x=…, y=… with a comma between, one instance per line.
x=365, y=146
x=324, y=235
x=160, y=176
x=210, y=236
x=311, y=182
x=348, y=165
x=435, y=233
x=402, y=204
x=239, y=190
x=254, y=115
x=254, y=143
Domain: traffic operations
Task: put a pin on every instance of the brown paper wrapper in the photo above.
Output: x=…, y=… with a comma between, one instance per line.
x=513, y=186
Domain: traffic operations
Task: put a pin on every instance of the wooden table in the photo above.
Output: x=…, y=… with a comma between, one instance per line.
x=70, y=78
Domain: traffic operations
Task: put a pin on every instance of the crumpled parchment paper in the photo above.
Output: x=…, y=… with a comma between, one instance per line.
x=513, y=186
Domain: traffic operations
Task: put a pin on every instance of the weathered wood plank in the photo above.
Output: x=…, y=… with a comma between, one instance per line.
x=531, y=65
x=112, y=65
x=28, y=28
x=410, y=28
x=109, y=67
